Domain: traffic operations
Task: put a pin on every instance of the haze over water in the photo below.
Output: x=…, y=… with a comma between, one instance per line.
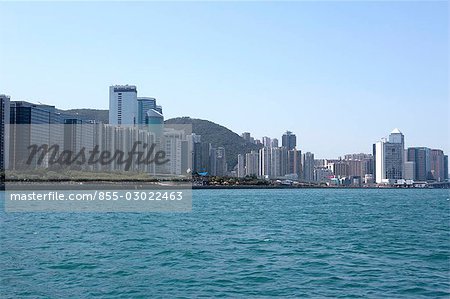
x=237, y=243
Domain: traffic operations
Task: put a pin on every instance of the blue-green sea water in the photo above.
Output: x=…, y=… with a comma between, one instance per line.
x=237, y=243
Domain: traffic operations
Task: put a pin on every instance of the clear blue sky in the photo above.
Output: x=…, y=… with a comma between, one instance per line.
x=340, y=75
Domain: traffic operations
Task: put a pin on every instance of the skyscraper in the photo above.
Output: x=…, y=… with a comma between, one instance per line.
x=274, y=142
x=218, y=161
x=201, y=160
x=294, y=162
x=241, y=166
x=422, y=162
x=266, y=141
x=4, y=131
x=389, y=157
x=437, y=165
x=308, y=166
x=445, y=167
x=144, y=104
x=265, y=165
x=278, y=161
x=251, y=163
x=289, y=140
x=123, y=106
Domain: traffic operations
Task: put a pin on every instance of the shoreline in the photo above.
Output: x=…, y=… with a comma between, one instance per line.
x=77, y=185
x=210, y=187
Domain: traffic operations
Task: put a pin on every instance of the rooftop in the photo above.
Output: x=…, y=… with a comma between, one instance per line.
x=396, y=131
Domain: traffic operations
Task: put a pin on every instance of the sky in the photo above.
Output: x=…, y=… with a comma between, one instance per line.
x=340, y=75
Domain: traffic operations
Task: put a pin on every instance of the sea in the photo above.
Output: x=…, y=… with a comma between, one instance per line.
x=259, y=243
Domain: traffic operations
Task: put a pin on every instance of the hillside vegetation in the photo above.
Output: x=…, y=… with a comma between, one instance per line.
x=218, y=135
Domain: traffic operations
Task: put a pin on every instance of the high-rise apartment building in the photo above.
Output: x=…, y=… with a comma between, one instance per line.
x=289, y=140
x=294, y=161
x=266, y=141
x=265, y=159
x=308, y=166
x=278, y=161
x=218, y=162
x=274, y=142
x=252, y=163
x=241, y=166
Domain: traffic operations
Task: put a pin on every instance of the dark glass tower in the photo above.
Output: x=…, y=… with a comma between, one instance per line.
x=289, y=140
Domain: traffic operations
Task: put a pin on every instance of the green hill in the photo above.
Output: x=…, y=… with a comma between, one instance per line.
x=218, y=135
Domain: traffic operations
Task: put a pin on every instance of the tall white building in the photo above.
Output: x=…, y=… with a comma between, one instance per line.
x=252, y=163
x=265, y=165
x=308, y=166
x=276, y=162
x=379, y=160
x=123, y=105
x=389, y=158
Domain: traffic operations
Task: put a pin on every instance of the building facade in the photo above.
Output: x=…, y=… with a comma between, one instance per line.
x=252, y=163
x=4, y=131
x=289, y=140
x=437, y=166
x=308, y=167
x=144, y=104
x=123, y=106
x=421, y=156
x=241, y=166
x=389, y=158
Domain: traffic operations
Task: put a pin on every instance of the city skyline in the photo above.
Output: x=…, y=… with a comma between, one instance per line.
x=274, y=141
x=339, y=75
x=390, y=162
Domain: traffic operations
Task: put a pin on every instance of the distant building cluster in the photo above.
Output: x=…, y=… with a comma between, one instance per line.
x=206, y=159
x=390, y=163
x=125, y=107
x=395, y=164
x=274, y=161
x=132, y=120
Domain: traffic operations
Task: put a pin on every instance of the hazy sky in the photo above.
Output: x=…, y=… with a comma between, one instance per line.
x=340, y=75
